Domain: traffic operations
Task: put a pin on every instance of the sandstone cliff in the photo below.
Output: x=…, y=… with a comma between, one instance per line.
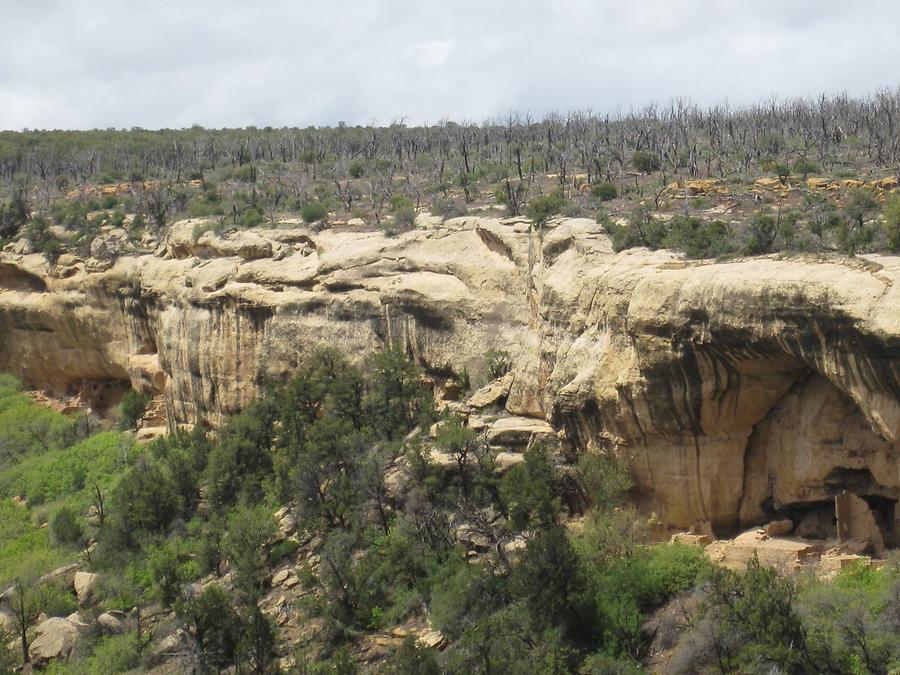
x=735, y=390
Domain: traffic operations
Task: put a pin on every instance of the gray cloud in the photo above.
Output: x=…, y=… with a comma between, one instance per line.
x=97, y=63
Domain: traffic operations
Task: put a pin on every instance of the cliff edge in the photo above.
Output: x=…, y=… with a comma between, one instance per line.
x=737, y=391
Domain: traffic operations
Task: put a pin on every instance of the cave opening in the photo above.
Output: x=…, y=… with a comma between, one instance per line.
x=815, y=459
x=884, y=509
x=818, y=519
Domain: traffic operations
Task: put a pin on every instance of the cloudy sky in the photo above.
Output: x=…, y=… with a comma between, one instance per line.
x=93, y=63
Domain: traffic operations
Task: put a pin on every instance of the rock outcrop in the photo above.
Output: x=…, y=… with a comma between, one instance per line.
x=739, y=392
x=56, y=638
x=85, y=585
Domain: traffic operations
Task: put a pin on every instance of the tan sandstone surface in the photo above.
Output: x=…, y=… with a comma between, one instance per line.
x=738, y=391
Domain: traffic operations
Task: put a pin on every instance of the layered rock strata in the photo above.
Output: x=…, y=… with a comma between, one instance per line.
x=737, y=392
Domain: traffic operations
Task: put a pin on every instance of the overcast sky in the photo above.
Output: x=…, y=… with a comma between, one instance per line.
x=97, y=64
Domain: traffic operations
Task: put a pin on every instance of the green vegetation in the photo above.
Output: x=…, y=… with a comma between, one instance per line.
x=132, y=408
x=760, y=620
x=51, y=473
x=604, y=192
x=542, y=208
x=314, y=211
x=64, y=190
x=644, y=161
x=486, y=554
x=892, y=224
x=818, y=226
x=403, y=211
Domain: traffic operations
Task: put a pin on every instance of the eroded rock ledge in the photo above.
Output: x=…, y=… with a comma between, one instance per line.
x=738, y=391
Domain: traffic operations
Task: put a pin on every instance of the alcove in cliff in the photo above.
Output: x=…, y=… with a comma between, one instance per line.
x=813, y=445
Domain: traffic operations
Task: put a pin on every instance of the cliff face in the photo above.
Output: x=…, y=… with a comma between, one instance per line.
x=735, y=390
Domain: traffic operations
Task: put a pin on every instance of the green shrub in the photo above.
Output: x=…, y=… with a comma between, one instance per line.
x=448, y=208
x=412, y=659
x=804, y=167
x=9, y=385
x=604, y=480
x=405, y=217
x=755, y=612
x=891, y=223
x=244, y=174
x=99, y=459
x=357, y=169
x=169, y=566
x=698, y=238
x=860, y=206
x=783, y=172
x=242, y=459
x=403, y=212
x=14, y=214
x=642, y=229
x=251, y=218
x=549, y=579
x=499, y=362
x=313, y=212
x=208, y=204
x=213, y=624
x=604, y=192
x=282, y=550
x=44, y=241
x=662, y=571
x=66, y=527
x=249, y=531
x=30, y=554
x=115, y=654
x=27, y=428
x=56, y=600
x=645, y=162
x=542, y=208
x=133, y=406
x=144, y=500
x=530, y=491
x=763, y=229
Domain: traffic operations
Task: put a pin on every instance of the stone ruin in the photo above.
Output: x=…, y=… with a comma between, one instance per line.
x=826, y=538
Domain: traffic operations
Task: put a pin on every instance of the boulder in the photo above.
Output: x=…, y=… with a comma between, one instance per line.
x=817, y=524
x=77, y=620
x=431, y=639
x=111, y=624
x=246, y=245
x=280, y=577
x=65, y=574
x=147, y=434
x=23, y=247
x=779, y=528
x=287, y=525
x=56, y=639
x=518, y=431
x=110, y=245
x=507, y=460
x=689, y=539
x=492, y=392
x=85, y=585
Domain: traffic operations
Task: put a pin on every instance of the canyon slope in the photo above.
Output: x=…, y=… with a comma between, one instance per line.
x=737, y=391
